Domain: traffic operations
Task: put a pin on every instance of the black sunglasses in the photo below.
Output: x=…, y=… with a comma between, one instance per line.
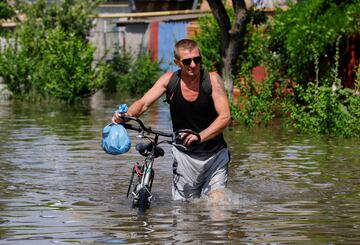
x=188, y=61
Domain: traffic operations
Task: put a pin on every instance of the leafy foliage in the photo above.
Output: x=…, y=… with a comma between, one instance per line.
x=308, y=26
x=301, y=51
x=323, y=110
x=74, y=16
x=49, y=56
x=256, y=105
x=209, y=37
x=209, y=43
x=134, y=75
x=327, y=109
x=307, y=38
x=6, y=11
x=119, y=66
x=66, y=58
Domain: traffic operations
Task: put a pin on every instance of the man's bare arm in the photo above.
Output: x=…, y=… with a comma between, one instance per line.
x=221, y=106
x=141, y=105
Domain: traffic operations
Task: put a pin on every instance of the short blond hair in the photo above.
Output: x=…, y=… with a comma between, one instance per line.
x=187, y=44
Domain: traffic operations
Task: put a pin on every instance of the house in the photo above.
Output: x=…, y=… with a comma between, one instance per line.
x=151, y=25
x=140, y=25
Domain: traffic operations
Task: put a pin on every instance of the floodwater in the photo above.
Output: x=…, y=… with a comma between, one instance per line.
x=57, y=186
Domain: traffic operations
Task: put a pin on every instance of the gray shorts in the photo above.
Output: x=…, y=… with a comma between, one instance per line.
x=193, y=178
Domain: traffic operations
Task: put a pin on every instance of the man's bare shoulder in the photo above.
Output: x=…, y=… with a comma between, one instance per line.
x=168, y=74
x=214, y=75
x=165, y=78
x=217, y=83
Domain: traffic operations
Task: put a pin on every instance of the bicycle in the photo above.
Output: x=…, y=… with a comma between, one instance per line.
x=143, y=171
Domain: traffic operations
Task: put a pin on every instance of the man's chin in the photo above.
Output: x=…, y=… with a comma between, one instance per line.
x=193, y=73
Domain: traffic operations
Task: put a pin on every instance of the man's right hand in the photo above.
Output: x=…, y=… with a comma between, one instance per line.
x=116, y=118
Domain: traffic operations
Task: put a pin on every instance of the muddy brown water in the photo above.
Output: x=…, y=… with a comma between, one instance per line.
x=57, y=186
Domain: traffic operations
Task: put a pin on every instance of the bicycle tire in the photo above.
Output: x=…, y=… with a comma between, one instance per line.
x=144, y=202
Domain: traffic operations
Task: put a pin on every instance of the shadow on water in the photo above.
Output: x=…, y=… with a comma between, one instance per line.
x=58, y=186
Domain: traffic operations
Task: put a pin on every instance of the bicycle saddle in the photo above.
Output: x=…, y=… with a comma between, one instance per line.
x=145, y=150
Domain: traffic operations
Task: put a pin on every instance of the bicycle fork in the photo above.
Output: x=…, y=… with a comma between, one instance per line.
x=146, y=175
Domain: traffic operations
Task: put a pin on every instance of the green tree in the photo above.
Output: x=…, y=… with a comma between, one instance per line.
x=231, y=37
x=232, y=31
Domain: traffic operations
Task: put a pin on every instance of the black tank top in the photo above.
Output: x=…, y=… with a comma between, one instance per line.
x=197, y=116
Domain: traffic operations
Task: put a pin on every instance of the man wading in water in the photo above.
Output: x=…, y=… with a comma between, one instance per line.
x=198, y=101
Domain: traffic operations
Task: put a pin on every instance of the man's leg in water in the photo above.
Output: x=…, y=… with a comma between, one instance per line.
x=216, y=182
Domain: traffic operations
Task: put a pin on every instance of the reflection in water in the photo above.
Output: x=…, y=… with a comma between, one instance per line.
x=58, y=186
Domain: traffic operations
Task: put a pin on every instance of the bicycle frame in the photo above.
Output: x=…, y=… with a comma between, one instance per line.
x=147, y=174
x=144, y=171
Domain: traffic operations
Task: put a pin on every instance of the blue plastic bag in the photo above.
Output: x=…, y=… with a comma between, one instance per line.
x=123, y=108
x=115, y=139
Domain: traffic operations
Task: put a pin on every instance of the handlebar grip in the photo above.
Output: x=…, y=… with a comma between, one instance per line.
x=142, y=127
x=132, y=127
x=141, y=124
x=188, y=131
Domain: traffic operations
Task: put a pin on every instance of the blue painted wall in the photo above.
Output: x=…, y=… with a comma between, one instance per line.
x=169, y=34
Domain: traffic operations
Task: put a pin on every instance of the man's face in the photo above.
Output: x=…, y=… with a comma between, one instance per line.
x=189, y=61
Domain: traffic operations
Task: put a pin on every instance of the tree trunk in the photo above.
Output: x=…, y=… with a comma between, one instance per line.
x=231, y=37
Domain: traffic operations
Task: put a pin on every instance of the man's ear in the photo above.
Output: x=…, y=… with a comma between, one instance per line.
x=177, y=62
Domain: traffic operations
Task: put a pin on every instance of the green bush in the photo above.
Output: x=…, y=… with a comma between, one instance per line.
x=16, y=69
x=255, y=104
x=131, y=74
x=323, y=110
x=327, y=109
x=49, y=56
x=65, y=67
x=143, y=74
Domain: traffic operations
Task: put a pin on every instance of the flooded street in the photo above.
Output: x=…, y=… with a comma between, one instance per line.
x=57, y=186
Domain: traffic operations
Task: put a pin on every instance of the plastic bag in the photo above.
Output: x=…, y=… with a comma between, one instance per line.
x=123, y=108
x=115, y=139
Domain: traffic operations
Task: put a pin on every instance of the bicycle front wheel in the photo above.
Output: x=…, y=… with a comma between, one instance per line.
x=144, y=202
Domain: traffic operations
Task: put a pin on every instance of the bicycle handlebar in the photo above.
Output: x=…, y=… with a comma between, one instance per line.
x=143, y=128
